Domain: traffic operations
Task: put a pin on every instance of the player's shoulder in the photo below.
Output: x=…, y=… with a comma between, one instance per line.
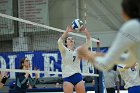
x=131, y=28
x=131, y=24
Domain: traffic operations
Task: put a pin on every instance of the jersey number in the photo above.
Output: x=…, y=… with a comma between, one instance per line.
x=74, y=57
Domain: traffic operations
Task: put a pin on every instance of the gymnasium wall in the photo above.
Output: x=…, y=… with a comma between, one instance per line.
x=61, y=13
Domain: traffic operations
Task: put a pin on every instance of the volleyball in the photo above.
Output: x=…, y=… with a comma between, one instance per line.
x=77, y=24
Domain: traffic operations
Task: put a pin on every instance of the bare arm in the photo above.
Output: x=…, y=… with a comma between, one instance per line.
x=69, y=29
x=87, y=34
x=84, y=53
x=60, y=41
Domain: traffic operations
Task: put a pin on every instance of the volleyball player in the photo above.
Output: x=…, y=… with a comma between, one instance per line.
x=71, y=72
x=24, y=80
x=111, y=81
x=130, y=74
x=128, y=38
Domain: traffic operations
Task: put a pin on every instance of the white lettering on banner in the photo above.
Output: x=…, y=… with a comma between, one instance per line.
x=52, y=63
x=12, y=64
x=50, y=59
x=30, y=56
x=3, y=63
x=49, y=64
x=56, y=75
x=87, y=67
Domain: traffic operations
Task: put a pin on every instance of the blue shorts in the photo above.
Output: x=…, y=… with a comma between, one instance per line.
x=74, y=79
x=135, y=89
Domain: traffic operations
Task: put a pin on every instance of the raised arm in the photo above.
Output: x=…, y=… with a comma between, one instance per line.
x=126, y=39
x=60, y=40
x=68, y=29
x=87, y=34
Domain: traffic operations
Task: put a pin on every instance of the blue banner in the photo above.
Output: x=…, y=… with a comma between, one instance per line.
x=44, y=61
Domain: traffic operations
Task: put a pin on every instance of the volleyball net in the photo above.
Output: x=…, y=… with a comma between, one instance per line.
x=23, y=38
x=44, y=37
x=20, y=38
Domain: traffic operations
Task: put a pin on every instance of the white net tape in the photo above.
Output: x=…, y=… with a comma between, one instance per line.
x=49, y=72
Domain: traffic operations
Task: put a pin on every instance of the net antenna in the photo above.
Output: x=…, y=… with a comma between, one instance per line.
x=85, y=18
x=85, y=13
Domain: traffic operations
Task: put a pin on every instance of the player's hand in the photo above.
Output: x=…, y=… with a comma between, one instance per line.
x=30, y=87
x=69, y=29
x=1, y=85
x=133, y=66
x=27, y=75
x=83, y=29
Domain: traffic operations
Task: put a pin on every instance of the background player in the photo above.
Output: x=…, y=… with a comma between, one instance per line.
x=130, y=74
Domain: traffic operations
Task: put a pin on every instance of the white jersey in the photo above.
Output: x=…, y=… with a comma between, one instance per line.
x=130, y=76
x=128, y=38
x=70, y=61
x=110, y=77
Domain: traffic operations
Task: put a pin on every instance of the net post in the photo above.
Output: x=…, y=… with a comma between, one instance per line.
x=99, y=80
